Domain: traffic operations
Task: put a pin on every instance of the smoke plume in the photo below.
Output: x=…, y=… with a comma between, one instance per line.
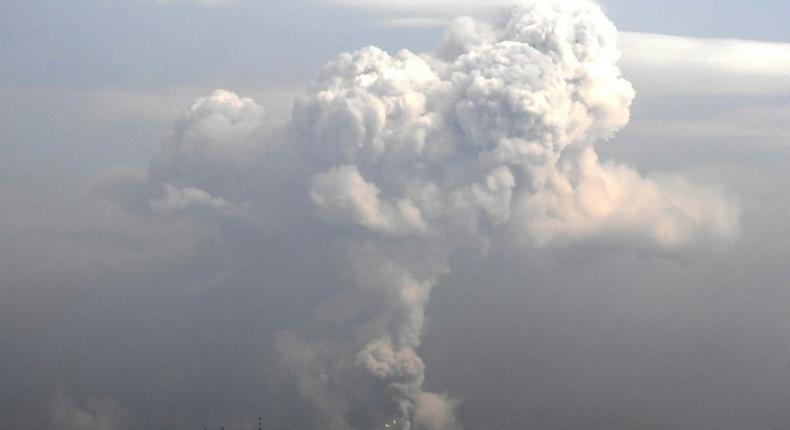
x=401, y=159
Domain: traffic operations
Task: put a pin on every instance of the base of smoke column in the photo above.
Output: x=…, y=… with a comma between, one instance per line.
x=390, y=425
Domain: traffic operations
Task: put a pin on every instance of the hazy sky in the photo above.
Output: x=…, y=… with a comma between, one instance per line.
x=151, y=278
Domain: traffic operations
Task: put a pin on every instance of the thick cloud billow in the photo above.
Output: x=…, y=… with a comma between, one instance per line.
x=403, y=159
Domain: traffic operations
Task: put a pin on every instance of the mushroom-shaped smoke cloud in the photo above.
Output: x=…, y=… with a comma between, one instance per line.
x=428, y=153
x=405, y=158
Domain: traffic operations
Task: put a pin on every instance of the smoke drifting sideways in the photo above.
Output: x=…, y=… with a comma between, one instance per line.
x=395, y=162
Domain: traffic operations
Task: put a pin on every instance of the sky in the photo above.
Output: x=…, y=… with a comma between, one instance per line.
x=209, y=214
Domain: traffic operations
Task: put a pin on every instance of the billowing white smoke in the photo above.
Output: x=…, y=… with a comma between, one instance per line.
x=405, y=158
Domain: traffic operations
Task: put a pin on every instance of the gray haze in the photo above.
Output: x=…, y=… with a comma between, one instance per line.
x=152, y=278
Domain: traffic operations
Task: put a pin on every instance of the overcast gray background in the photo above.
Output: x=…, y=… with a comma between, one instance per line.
x=155, y=324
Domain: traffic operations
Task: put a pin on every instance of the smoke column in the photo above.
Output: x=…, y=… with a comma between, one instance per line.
x=405, y=158
x=426, y=153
